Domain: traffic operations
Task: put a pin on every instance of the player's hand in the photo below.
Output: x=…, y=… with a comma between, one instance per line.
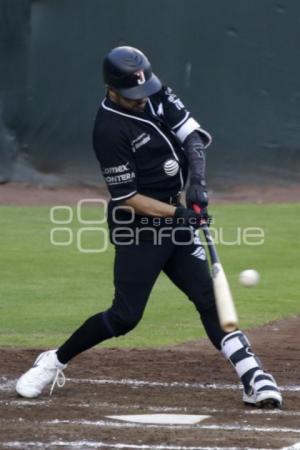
x=196, y=194
x=205, y=217
x=188, y=217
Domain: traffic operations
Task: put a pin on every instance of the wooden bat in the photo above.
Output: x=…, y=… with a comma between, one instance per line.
x=224, y=300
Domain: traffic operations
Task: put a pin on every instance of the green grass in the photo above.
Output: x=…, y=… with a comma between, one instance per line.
x=47, y=291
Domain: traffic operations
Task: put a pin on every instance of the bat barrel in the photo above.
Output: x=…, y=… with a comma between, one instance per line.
x=224, y=301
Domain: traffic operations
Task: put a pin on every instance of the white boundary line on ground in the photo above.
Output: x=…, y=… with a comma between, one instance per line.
x=92, y=444
x=185, y=409
x=157, y=409
x=224, y=427
x=32, y=402
x=9, y=384
x=293, y=447
x=176, y=384
x=6, y=384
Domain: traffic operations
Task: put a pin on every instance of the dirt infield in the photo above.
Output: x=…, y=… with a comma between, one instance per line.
x=186, y=379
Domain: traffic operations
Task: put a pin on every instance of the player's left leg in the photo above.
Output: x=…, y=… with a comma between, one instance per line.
x=135, y=271
x=188, y=269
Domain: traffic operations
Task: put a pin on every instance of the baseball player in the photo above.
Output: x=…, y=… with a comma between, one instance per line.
x=148, y=144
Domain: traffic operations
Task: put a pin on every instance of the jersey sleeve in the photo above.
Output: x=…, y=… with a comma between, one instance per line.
x=117, y=164
x=166, y=105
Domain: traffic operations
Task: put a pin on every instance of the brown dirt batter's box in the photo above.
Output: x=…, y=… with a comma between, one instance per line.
x=76, y=416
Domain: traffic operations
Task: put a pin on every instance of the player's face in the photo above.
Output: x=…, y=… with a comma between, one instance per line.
x=134, y=105
x=131, y=105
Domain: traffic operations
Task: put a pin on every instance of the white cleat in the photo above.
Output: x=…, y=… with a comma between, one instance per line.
x=264, y=392
x=46, y=369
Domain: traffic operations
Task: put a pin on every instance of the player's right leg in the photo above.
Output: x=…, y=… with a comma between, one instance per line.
x=188, y=269
x=260, y=388
x=135, y=271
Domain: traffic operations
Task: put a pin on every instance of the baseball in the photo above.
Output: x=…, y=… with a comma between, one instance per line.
x=249, y=277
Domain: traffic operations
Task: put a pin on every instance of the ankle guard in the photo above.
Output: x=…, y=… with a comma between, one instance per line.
x=236, y=348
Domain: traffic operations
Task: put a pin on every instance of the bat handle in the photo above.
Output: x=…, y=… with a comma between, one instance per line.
x=210, y=243
x=198, y=210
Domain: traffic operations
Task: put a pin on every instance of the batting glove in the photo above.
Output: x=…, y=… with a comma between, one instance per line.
x=188, y=217
x=197, y=194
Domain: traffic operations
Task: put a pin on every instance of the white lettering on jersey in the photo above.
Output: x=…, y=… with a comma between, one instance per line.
x=172, y=98
x=115, y=169
x=142, y=139
x=120, y=179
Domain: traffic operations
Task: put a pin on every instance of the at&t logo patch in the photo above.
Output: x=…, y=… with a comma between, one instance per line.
x=171, y=167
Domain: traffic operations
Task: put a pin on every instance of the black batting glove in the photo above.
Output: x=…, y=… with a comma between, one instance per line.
x=188, y=217
x=196, y=194
x=206, y=218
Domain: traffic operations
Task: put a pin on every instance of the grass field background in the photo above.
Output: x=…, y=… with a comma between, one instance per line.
x=46, y=291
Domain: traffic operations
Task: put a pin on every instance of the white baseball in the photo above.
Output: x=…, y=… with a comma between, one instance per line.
x=249, y=277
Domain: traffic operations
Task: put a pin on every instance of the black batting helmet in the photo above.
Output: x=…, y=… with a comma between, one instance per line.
x=128, y=71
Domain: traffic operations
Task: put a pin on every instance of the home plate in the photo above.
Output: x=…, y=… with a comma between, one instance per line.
x=162, y=419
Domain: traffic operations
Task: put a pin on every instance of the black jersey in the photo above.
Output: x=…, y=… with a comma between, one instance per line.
x=142, y=152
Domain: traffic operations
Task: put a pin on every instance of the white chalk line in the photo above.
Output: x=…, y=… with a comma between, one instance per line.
x=92, y=444
x=185, y=409
x=9, y=385
x=174, y=384
x=142, y=383
x=223, y=427
x=33, y=402
x=293, y=447
x=6, y=384
x=117, y=424
x=182, y=409
x=267, y=412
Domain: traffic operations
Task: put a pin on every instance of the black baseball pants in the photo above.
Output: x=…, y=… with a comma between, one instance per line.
x=136, y=269
x=182, y=258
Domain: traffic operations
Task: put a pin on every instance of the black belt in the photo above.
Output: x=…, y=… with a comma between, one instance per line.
x=172, y=200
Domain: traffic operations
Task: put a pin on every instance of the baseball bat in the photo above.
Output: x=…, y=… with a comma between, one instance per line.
x=224, y=300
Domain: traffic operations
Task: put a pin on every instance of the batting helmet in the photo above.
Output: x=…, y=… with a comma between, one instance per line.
x=128, y=71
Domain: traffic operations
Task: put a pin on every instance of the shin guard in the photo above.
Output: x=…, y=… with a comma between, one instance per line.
x=236, y=348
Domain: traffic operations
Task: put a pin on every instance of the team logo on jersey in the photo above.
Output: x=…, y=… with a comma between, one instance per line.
x=171, y=167
x=142, y=139
x=140, y=76
x=199, y=253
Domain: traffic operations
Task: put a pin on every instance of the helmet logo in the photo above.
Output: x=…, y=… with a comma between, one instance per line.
x=140, y=76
